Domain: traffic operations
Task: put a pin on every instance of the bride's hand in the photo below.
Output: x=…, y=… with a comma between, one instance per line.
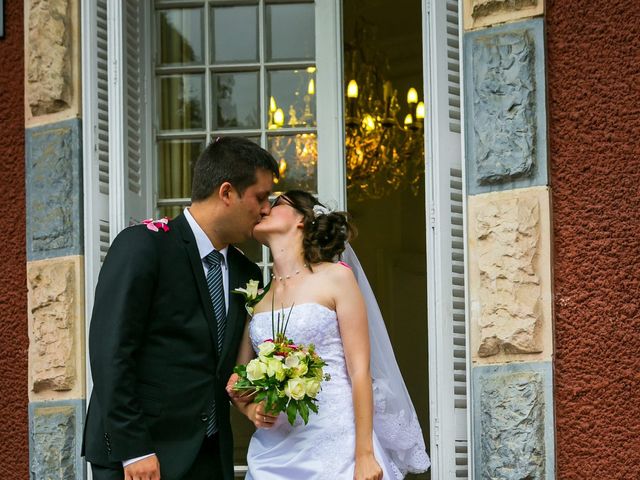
x=367, y=468
x=237, y=395
x=260, y=418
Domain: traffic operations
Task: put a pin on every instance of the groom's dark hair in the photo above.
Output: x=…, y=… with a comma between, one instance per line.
x=229, y=159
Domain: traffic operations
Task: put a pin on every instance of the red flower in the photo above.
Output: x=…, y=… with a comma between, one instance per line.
x=157, y=225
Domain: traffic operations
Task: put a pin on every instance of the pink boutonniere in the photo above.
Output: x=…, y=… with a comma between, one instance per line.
x=157, y=225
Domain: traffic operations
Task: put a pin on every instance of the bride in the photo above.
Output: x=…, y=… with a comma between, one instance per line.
x=366, y=427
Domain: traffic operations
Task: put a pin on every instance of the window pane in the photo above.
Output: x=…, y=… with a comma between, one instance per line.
x=235, y=100
x=235, y=34
x=182, y=102
x=177, y=158
x=290, y=32
x=297, y=156
x=181, y=36
x=293, y=93
x=171, y=211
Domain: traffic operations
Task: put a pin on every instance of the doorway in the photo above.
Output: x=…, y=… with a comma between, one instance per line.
x=384, y=148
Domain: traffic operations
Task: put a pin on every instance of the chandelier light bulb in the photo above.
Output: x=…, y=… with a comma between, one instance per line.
x=412, y=96
x=408, y=120
x=368, y=123
x=420, y=111
x=311, y=90
x=278, y=117
x=272, y=105
x=282, y=167
x=352, y=89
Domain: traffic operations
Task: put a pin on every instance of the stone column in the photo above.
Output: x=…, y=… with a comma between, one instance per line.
x=55, y=259
x=509, y=239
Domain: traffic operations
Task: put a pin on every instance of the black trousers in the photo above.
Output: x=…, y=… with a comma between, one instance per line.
x=206, y=466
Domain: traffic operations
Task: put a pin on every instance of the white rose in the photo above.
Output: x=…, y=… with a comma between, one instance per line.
x=301, y=370
x=266, y=348
x=275, y=368
x=295, y=388
x=312, y=387
x=256, y=370
x=252, y=289
x=292, y=361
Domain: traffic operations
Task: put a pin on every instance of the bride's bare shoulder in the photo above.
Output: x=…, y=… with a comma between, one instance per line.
x=335, y=272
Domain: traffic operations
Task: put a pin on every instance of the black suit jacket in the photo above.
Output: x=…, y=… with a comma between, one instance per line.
x=152, y=348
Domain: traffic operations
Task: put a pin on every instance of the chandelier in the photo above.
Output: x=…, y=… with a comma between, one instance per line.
x=300, y=116
x=383, y=154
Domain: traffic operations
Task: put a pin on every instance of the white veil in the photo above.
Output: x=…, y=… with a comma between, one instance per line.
x=394, y=421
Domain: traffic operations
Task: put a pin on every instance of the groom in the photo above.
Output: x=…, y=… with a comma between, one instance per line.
x=165, y=331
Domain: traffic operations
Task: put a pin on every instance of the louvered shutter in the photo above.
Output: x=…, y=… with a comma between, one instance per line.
x=446, y=288
x=116, y=185
x=129, y=201
x=96, y=142
x=95, y=131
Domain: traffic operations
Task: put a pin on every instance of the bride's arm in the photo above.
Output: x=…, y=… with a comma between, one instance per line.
x=352, y=317
x=245, y=355
x=253, y=411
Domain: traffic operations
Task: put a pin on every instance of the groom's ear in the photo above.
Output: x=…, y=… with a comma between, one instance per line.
x=225, y=192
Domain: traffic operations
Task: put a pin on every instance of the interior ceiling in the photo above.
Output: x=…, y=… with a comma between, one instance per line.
x=398, y=32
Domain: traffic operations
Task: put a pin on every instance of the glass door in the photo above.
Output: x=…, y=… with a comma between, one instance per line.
x=251, y=68
x=385, y=174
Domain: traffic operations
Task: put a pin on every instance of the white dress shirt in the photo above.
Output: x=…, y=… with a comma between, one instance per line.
x=205, y=247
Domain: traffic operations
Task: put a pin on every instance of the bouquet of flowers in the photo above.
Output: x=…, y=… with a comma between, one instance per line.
x=286, y=376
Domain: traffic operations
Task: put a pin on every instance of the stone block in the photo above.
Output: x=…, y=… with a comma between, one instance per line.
x=55, y=440
x=52, y=67
x=505, y=101
x=513, y=421
x=54, y=190
x=510, y=287
x=56, y=328
x=482, y=13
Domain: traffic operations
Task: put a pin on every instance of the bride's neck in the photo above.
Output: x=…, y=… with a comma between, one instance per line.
x=288, y=257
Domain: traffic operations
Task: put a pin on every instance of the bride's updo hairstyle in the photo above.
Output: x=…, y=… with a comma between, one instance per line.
x=325, y=233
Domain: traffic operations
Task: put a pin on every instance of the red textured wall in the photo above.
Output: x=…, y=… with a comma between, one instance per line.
x=593, y=69
x=14, y=447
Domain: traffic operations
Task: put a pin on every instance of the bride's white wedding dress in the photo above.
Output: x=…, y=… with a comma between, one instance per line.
x=325, y=447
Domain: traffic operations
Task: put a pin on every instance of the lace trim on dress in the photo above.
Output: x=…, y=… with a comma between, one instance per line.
x=400, y=435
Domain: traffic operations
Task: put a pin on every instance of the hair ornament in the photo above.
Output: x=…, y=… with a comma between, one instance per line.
x=320, y=210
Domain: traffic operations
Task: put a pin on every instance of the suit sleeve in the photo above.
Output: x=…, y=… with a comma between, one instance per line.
x=121, y=309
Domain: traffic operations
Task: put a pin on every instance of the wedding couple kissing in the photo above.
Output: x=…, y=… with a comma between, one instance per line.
x=167, y=330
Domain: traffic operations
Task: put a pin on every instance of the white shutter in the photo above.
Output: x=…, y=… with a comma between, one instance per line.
x=445, y=239
x=102, y=126
x=329, y=86
x=115, y=186
x=95, y=140
x=114, y=103
x=129, y=200
x=97, y=174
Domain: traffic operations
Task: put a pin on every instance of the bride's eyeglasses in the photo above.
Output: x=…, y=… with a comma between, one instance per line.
x=282, y=200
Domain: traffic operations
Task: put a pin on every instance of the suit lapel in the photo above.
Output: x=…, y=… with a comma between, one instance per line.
x=191, y=247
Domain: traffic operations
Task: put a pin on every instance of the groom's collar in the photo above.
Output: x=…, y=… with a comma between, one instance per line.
x=205, y=247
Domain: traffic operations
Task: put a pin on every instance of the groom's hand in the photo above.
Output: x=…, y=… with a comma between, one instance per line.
x=145, y=469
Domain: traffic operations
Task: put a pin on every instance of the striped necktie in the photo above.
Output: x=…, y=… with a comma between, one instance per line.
x=216, y=291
